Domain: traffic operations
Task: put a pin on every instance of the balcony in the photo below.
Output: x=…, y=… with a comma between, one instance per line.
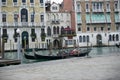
x=116, y=10
x=55, y=21
x=4, y=3
x=117, y=20
x=68, y=32
x=31, y=4
x=79, y=21
x=98, y=10
x=20, y=24
x=78, y=10
x=15, y=4
x=23, y=4
x=108, y=10
x=97, y=21
x=55, y=35
x=87, y=10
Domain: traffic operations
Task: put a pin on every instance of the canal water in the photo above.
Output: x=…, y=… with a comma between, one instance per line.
x=95, y=52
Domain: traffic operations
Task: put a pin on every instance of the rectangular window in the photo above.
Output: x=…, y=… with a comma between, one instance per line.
x=101, y=5
x=3, y=0
x=42, y=18
x=23, y=1
x=102, y=28
x=15, y=17
x=31, y=1
x=14, y=1
x=108, y=6
x=32, y=17
x=95, y=29
x=79, y=28
x=116, y=5
x=87, y=6
x=88, y=29
x=32, y=33
x=3, y=17
x=5, y=36
x=41, y=1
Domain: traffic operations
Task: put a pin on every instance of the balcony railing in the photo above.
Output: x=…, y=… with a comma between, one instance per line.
x=108, y=10
x=4, y=3
x=55, y=21
x=31, y=4
x=15, y=4
x=67, y=35
x=20, y=24
x=117, y=20
x=98, y=10
x=116, y=10
x=98, y=21
x=87, y=10
x=79, y=21
x=78, y=10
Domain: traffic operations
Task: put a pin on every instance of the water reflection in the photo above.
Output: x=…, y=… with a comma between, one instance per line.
x=96, y=51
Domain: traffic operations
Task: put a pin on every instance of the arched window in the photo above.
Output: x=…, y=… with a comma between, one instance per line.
x=80, y=38
x=84, y=39
x=57, y=29
x=110, y=38
x=54, y=30
x=88, y=38
x=24, y=15
x=62, y=30
x=113, y=37
x=117, y=37
x=48, y=31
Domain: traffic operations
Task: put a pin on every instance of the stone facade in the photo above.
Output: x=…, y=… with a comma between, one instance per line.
x=29, y=17
x=97, y=22
x=58, y=26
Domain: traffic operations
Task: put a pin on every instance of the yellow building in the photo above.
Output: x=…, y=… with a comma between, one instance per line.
x=28, y=16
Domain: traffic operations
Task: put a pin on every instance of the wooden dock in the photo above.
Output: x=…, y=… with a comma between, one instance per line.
x=6, y=62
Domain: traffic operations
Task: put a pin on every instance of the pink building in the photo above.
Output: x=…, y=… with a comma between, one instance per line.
x=68, y=5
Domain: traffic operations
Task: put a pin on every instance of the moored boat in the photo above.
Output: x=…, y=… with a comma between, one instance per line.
x=118, y=45
x=29, y=56
x=63, y=55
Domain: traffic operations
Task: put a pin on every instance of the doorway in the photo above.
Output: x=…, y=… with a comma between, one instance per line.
x=25, y=40
x=99, y=40
x=56, y=43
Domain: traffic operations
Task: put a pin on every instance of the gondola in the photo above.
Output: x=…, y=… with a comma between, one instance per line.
x=49, y=57
x=118, y=45
x=63, y=56
x=28, y=56
x=82, y=53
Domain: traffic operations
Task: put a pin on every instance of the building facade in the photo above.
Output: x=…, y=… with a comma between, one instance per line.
x=29, y=17
x=68, y=5
x=58, y=26
x=97, y=22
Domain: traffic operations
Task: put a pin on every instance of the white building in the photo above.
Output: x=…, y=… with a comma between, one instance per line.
x=97, y=22
x=58, y=26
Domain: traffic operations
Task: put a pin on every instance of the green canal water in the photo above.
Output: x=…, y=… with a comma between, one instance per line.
x=96, y=51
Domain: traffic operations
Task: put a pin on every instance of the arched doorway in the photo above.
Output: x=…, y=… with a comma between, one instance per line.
x=24, y=15
x=56, y=43
x=99, y=40
x=25, y=40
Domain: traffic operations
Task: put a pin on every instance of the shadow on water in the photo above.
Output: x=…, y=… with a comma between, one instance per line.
x=96, y=51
